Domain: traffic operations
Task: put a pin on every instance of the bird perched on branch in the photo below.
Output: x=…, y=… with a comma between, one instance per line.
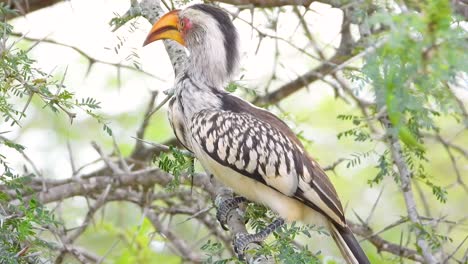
x=245, y=147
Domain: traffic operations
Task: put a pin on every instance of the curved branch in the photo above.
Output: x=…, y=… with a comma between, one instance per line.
x=267, y=3
x=87, y=56
x=180, y=244
x=384, y=245
x=405, y=179
x=26, y=6
x=129, y=185
x=295, y=85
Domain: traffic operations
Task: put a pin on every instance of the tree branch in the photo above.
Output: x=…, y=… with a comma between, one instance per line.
x=295, y=85
x=384, y=245
x=267, y=3
x=90, y=58
x=405, y=179
x=27, y=6
x=180, y=244
x=128, y=186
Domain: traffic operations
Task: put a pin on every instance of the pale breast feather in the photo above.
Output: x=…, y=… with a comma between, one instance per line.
x=262, y=151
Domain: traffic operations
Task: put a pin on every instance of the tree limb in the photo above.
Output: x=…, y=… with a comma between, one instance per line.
x=295, y=85
x=26, y=6
x=267, y=3
x=384, y=245
x=180, y=244
x=405, y=179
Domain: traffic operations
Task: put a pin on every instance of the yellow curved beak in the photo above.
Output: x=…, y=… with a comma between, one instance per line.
x=167, y=27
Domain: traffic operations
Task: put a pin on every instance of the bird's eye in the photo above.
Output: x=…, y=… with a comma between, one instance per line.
x=184, y=24
x=181, y=25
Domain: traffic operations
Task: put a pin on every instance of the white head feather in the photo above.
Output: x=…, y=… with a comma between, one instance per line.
x=213, y=46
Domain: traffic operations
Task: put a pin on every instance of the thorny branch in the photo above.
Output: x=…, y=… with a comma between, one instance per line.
x=118, y=182
x=267, y=3
x=128, y=186
x=405, y=178
x=92, y=60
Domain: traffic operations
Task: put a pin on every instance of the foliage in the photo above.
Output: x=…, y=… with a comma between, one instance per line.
x=411, y=61
x=20, y=82
x=137, y=244
x=282, y=247
x=213, y=249
x=176, y=162
x=20, y=219
x=412, y=71
x=411, y=75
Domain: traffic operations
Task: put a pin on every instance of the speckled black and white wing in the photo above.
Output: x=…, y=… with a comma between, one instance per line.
x=268, y=152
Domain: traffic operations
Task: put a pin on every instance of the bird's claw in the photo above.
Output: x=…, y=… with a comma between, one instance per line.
x=225, y=207
x=242, y=240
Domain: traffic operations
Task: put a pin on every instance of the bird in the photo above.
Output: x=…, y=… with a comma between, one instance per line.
x=247, y=148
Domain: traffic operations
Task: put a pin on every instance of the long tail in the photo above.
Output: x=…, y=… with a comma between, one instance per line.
x=349, y=246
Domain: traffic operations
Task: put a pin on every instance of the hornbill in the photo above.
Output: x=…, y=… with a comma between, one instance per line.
x=245, y=147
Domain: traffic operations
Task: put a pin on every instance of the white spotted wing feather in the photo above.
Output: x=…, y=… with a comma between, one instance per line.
x=234, y=145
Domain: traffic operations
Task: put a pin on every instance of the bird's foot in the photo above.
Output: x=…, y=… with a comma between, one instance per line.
x=225, y=206
x=242, y=240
